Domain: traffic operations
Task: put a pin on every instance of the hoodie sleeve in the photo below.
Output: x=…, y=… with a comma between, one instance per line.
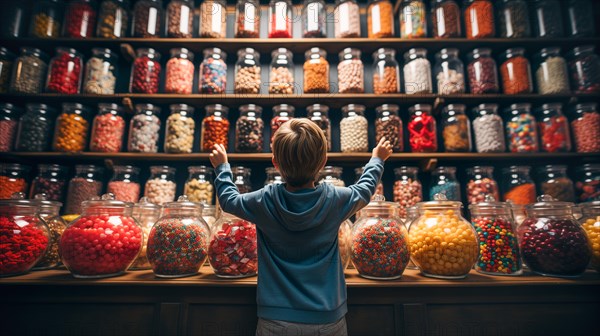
x=358, y=195
x=231, y=201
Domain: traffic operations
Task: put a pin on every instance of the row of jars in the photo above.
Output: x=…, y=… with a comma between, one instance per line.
x=110, y=19
x=111, y=237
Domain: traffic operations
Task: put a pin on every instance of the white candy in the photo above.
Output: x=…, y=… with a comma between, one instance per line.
x=489, y=134
x=160, y=191
x=417, y=76
x=354, y=134
x=143, y=134
x=99, y=77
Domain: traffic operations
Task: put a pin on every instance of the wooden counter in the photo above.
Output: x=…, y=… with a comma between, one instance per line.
x=54, y=303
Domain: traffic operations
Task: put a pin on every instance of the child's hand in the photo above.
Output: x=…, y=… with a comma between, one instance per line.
x=383, y=150
x=218, y=155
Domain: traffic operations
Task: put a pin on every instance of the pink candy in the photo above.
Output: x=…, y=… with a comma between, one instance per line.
x=124, y=191
x=107, y=133
x=180, y=76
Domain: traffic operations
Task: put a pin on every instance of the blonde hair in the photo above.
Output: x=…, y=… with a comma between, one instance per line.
x=300, y=150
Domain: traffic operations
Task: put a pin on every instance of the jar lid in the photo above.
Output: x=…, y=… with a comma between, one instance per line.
x=545, y=52
x=476, y=53
x=590, y=205
x=420, y=107
x=4, y=52
x=144, y=203
x=453, y=108
x=126, y=169
x=183, y=203
x=581, y=49
x=241, y=170
x=18, y=200
x=331, y=169
x=181, y=108
x=518, y=107
x=378, y=202
x=318, y=108
x=514, y=169
x=283, y=108
x=162, y=169
x=105, y=52
x=490, y=203
x=200, y=169
x=353, y=107
x=106, y=201
x=216, y=107
x=589, y=167
x=440, y=201
x=550, y=106
x=480, y=169
x=547, y=202
x=406, y=169
x=44, y=203
x=387, y=107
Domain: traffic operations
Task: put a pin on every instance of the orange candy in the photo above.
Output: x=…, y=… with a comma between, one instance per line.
x=11, y=185
x=522, y=194
x=71, y=133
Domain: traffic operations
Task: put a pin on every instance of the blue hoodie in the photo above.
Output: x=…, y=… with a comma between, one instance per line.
x=300, y=276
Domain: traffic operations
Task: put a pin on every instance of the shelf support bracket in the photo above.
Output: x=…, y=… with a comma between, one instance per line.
x=437, y=105
x=128, y=52
x=128, y=104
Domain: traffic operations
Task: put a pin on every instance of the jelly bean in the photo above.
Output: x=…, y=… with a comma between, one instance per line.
x=521, y=133
x=213, y=76
x=145, y=75
x=232, y=251
x=478, y=189
x=498, y=247
x=22, y=243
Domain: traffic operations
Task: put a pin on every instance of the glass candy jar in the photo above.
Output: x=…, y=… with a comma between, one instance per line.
x=443, y=244
x=281, y=114
x=408, y=190
x=49, y=212
x=380, y=19
x=249, y=130
x=215, y=128
x=380, y=246
x=25, y=236
x=591, y=224
x=146, y=214
x=178, y=241
x=389, y=125
x=316, y=71
x=6, y=62
x=160, y=187
x=521, y=129
x=481, y=184
x=113, y=19
x=9, y=122
x=588, y=183
x=199, y=185
x=125, y=183
x=517, y=185
x=422, y=129
x=29, y=71
x=552, y=242
x=232, y=252
x=179, y=135
x=354, y=135
x=386, y=71
x=80, y=19
x=46, y=19
x=479, y=19
x=551, y=75
x=103, y=242
x=85, y=185
x=553, y=129
x=515, y=72
x=351, y=78
x=273, y=176
x=584, y=67
x=209, y=213
x=213, y=71
x=445, y=18
x=108, y=129
x=456, y=129
x=71, y=130
x=496, y=232
x=281, y=75
x=280, y=19
x=580, y=14
x=213, y=19
x=35, y=127
x=413, y=19
x=180, y=19
x=378, y=190
x=547, y=18
x=51, y=181
x=488, y=129
x=314, y=19
x=482, y=72
x=449, y=72
x=145, y=71
x=319, y=114
x=144, y=129
x=65, y=72
x=417, y=72
x=585, y=125
x=13, y=179
x=241, y=179
x=344, y=242
x=101, y=72
x=247, y=72
x=443, y=181
x=247, y=19
x=556, y=184
x=147, y=15
x=179, y=78
x=347, y=19
x=513, y=17
x=332, y=175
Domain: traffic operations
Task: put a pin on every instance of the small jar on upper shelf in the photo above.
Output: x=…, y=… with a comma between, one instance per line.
x=449, y=72
x=445, y=19
x=354, y=134
x=144, y=129
x=29, y=71
x=180, y=19
x=179, y=77
x=547, y=18
x=280, y=19
x=65, y=72
x=125, y=183
x=587, y=183
x=72, y=126
x=46, y=19
x=147, y=16
x=9, y=122
x=113, y=19
x=281, y=114
x=13, y=178
x=351, y=77
x=319, y=114
x=316, y=71
x=417, y=72
x=101, y=72
x=521, y=129
x=386, y=71
x=517, y=185
x=553, y=127
x=333, y=175
x=86, y=184
x=456, y=129
x=380, y=19
x=488, y=129
x=347, y=19
x=215, y=128
x=179, y=135
x=584, y=66
x=213, y=19
x=422, y=130
x=413, y=19
x=80, y=19
x=35, y=127
x=213, y=72
x=443, y=180
x=389, y=125
x=145, y=72
x=580, y=18
x=247, y=19
x=281, y=74
x=247, y=72
x=479, y=19
x=249, y=130
x=585, y=125
x=482, y=72
x=108, y=129
x=513, y=17
x=241, y=178
x=481, y=184
x=515, y=72
x=160, y=187
x=552, y=76
x=273, y=176
x=199, y=185
x=6, y=62
x=408, y=190
x=314, y=19
x=555, y=182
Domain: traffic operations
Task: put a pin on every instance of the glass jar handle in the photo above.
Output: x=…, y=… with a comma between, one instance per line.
x=546, y=198
x=440, y=196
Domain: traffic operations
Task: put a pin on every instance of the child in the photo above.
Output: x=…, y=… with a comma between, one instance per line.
x=301, y=287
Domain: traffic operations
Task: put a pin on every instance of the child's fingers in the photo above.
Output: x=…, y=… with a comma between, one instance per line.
x=381, y=141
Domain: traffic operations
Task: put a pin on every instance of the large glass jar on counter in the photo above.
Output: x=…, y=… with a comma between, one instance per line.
x=249, y=129
x=553, y=127
x=46, y=18
x=422, y=130
x=232, y=252
x=482, y=72
x=6, y=62
x=413, y=19
x=333, y=175
x=547, y=18
x=514, y=19
x=443, y=244
x=449, y=72
x=104, y=241
x=125, y=183
x=456, y=129
x=9, y=122
x=517, y=185
x=199, y=185
x=378, y=190
x=160, y=187
x=281, y=75
x=314, y=19
x=213, y=71
x=584, y=66
x=241, y=179
x=80, y=19
x=215, y=128
x=521, y=129
x=247, y=72
x=65, y=72
x=380, y=246
x=551, y=75
x=515, y=72
x=389, y=125
x=209, y=213
x=247, y=19
x=496, y=232
x=180, y=72
x=35, y=127
x=445, y=18
x=51, y=181
x=386, y=71
x=213, y=19
x=417, y=72
x=443, y=181
x=280, y=19
x=319, y=114
x=108, y=129
x=85, y=185
x=351, y=77
x=113, y=19
x=585, y=125
x=380, y=19
x=144, y=128
x=13, y=179
x=556, y=184
x=347, y=19
x=180, y=19
x=147, y=15
x=591, y=224
x=552, y=242
x=25, y=236
x=479, y=19
x=146, y=214
x=145, y=71
x=282, y=113
x=580, y=18
x=587, y=183
x=49, y=212
x=408, y=190
x=316, y=71
x=481, y=184
x=178, y=241
x=344, y=242
x=273, y=176
x=488, y=129
x=179, y=135
x=101, y=72
x=29, y=71
x=354, y=132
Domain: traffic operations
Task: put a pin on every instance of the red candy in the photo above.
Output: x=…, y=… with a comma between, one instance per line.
x=232, y=251
x=422, y=134
x=276, y=122
x=586, y=131
x=22, y=244
x=100, y=245
x=554, y=133
x=107, y=133
x=65, y=73
x=145, y=75
x=80, y=20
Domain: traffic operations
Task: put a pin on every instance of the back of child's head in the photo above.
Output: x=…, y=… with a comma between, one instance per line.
x=300, y=150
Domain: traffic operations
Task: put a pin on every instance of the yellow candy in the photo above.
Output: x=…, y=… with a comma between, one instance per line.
x=592, y=229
